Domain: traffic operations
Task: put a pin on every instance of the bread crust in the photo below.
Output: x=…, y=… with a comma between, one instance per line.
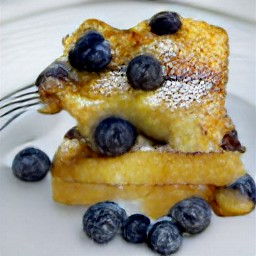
x=75, y=161
x=147, y=196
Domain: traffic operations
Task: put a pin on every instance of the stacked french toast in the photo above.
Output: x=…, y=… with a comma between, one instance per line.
x=152, y=125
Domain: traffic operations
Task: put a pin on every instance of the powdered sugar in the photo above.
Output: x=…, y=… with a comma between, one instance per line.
x=164, y=50
x=113, y=82
x=185, y=81
x=179, y=93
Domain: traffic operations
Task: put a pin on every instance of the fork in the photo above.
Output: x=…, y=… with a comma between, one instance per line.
x=16, y=103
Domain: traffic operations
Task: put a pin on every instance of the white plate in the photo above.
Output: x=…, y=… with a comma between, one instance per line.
x=31, y=223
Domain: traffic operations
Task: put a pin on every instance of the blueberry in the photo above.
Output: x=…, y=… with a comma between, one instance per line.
x=91, y=52
x=57, y=70
x=230, y=142
x=73, y=133
x=246, y=185
x=135, y=228
x=114, y=136
x=164, y=236
x=102, y=221
x=165, y=23
x=193, y=214
x=31, y=164
x=144, y=72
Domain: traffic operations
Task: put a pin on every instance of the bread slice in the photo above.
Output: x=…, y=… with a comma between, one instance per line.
x=190, y=105
x=153, y=200
x=146, y=196
x=75, y=161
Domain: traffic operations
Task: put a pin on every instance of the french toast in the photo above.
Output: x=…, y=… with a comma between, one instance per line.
x=184, y=143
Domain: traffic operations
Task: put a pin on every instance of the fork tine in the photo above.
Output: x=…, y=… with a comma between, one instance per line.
x=11, y=119
x=20, y=107
x=17, y=103
x=26, y=94
x=12, y=94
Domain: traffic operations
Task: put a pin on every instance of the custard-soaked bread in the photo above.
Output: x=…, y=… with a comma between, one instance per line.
x=187, y=111
x=144, y=165
x=153, y=200
x=151, y=119
x=229, y=202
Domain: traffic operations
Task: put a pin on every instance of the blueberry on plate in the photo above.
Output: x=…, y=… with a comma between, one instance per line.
x=91, y=52
x=164, y=236
x=193, y=214
x=114, y=136
x=57, y=70
x=102, y=221
x=31, y=164
x=165, y=23
x=246, y=186
x=135, y=228
x=144, y=72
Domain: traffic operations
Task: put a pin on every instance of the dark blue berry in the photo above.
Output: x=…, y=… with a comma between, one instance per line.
x=135, y=228
x=193, y=214
x=114, y=136
x=57, y=70
x=102, y=221
x=31, y=164
x=246, y=185
x=144, y=72
x=73, y=133
x=165, y=23
x=91, y=52
x=164, y=236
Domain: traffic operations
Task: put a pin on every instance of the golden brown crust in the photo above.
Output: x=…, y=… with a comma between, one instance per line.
x=153, y=200
x=231, y=202
x=75, y=161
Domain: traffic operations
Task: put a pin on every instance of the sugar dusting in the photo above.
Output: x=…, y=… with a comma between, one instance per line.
x=181, y=93
x=165, y=51
x=112, y=82
x=184, y=84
